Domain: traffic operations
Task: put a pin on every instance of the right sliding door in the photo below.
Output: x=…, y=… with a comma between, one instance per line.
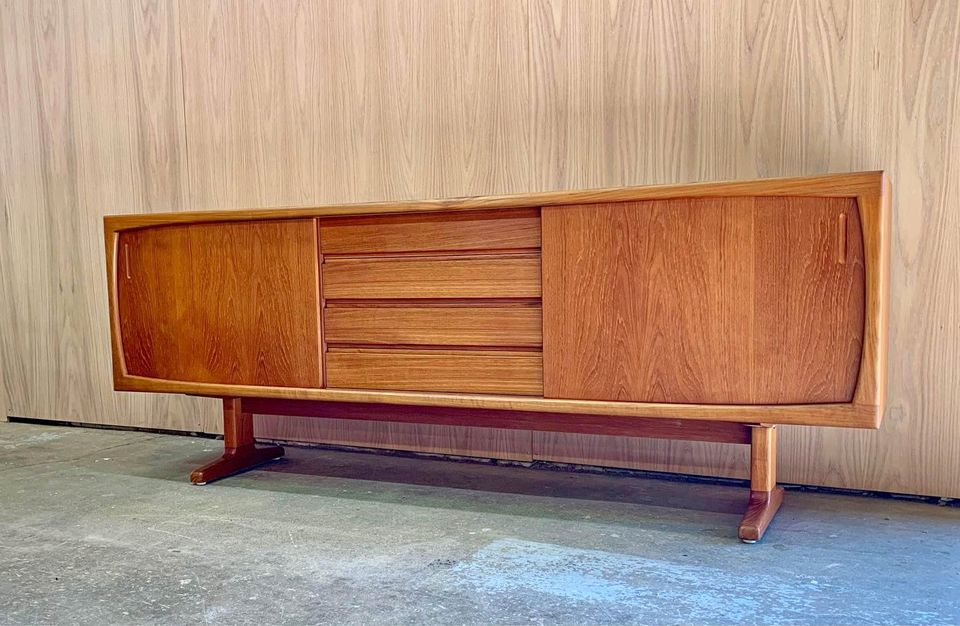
x=741, y=300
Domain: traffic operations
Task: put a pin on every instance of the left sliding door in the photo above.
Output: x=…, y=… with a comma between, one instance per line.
x=229, y=303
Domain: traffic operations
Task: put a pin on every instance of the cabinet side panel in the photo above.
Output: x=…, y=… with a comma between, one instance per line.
x=224, y=303
x=703, y=301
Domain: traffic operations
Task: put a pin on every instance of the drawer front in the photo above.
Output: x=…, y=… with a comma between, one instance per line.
x=456, y=371
x=499, y=230
x=476, y=277
x=513, y=326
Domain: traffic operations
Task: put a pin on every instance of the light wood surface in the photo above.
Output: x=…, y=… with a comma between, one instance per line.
x=467, y=371
x=441, y=277
x=704, y=301
x=92, y=117
x=220, y=303
x=765, y=495
x=698, y=430
x=476, y=230
x=174, y=106
x=875, y=220
x=439, y=325
x=763, y=458
x=761, y=508
x=830, y=185
x=839, y=415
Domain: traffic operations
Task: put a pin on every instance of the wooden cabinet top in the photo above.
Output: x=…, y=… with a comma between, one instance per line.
x=852, y=185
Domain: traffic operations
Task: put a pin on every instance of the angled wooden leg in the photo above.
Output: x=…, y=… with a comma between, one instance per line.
x=765, y=495
x=240, y=451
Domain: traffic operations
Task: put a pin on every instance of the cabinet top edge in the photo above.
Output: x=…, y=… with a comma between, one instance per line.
x=848, y=185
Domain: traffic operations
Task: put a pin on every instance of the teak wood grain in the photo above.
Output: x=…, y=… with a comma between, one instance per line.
x=765, y=495
x=475, y=230
x=875, y=220
x=691, y=430
x=240, y=451
x=493, y=372
x=466, y=325
x=847, y=415
x=402, y=277
x=763, y=458
x=417, y=287
x=220, y=303
x=826, y=186
x=704, y=301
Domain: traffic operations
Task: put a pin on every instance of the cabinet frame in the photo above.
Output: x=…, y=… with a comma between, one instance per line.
x=870, y=189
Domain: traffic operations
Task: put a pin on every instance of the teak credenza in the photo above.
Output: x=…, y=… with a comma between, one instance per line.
x=708, y=312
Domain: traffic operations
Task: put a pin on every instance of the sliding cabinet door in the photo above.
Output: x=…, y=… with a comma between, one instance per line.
x=704, y=301
x=232, y=303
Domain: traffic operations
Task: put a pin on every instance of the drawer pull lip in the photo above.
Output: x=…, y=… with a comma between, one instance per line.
x=430, y=303
x=414, y=348
x=437, y=255
x=373, y=346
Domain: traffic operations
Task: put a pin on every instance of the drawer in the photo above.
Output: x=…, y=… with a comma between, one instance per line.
x=457, y=371
x=488, y=230
x=475, y=277
x=515, y=326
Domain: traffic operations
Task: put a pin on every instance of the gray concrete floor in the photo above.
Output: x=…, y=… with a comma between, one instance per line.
x=102, y=527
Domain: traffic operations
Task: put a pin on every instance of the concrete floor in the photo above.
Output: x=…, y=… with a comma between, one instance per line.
x=102, y=527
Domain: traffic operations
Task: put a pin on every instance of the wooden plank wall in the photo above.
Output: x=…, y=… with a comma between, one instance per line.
x=111, y=106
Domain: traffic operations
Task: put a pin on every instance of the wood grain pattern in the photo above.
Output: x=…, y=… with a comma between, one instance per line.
x=448, y=277
x=765, y=495
x=168, y=106
x=430, y=438
x=240, y=451
x=695, y=430
x=476, y=230
x=827, y=186
x=512, y=326
x=221, y=303
x=762, y=506
x=424, y=371
x=476, y=371
x=875, y=218
x=838, y=415
x=763, y=458
x=92, y=118
x=716, y=301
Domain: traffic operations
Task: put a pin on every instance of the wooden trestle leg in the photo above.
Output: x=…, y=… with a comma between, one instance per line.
x=765, y=495
x=240, y=451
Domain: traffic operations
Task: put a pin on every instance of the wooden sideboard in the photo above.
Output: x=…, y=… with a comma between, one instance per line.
x=709, y=311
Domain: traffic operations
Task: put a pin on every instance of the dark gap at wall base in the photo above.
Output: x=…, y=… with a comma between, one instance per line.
x=535, y=465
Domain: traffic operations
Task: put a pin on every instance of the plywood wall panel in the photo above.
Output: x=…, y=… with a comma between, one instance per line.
x=91, y=119
x=111, y=106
